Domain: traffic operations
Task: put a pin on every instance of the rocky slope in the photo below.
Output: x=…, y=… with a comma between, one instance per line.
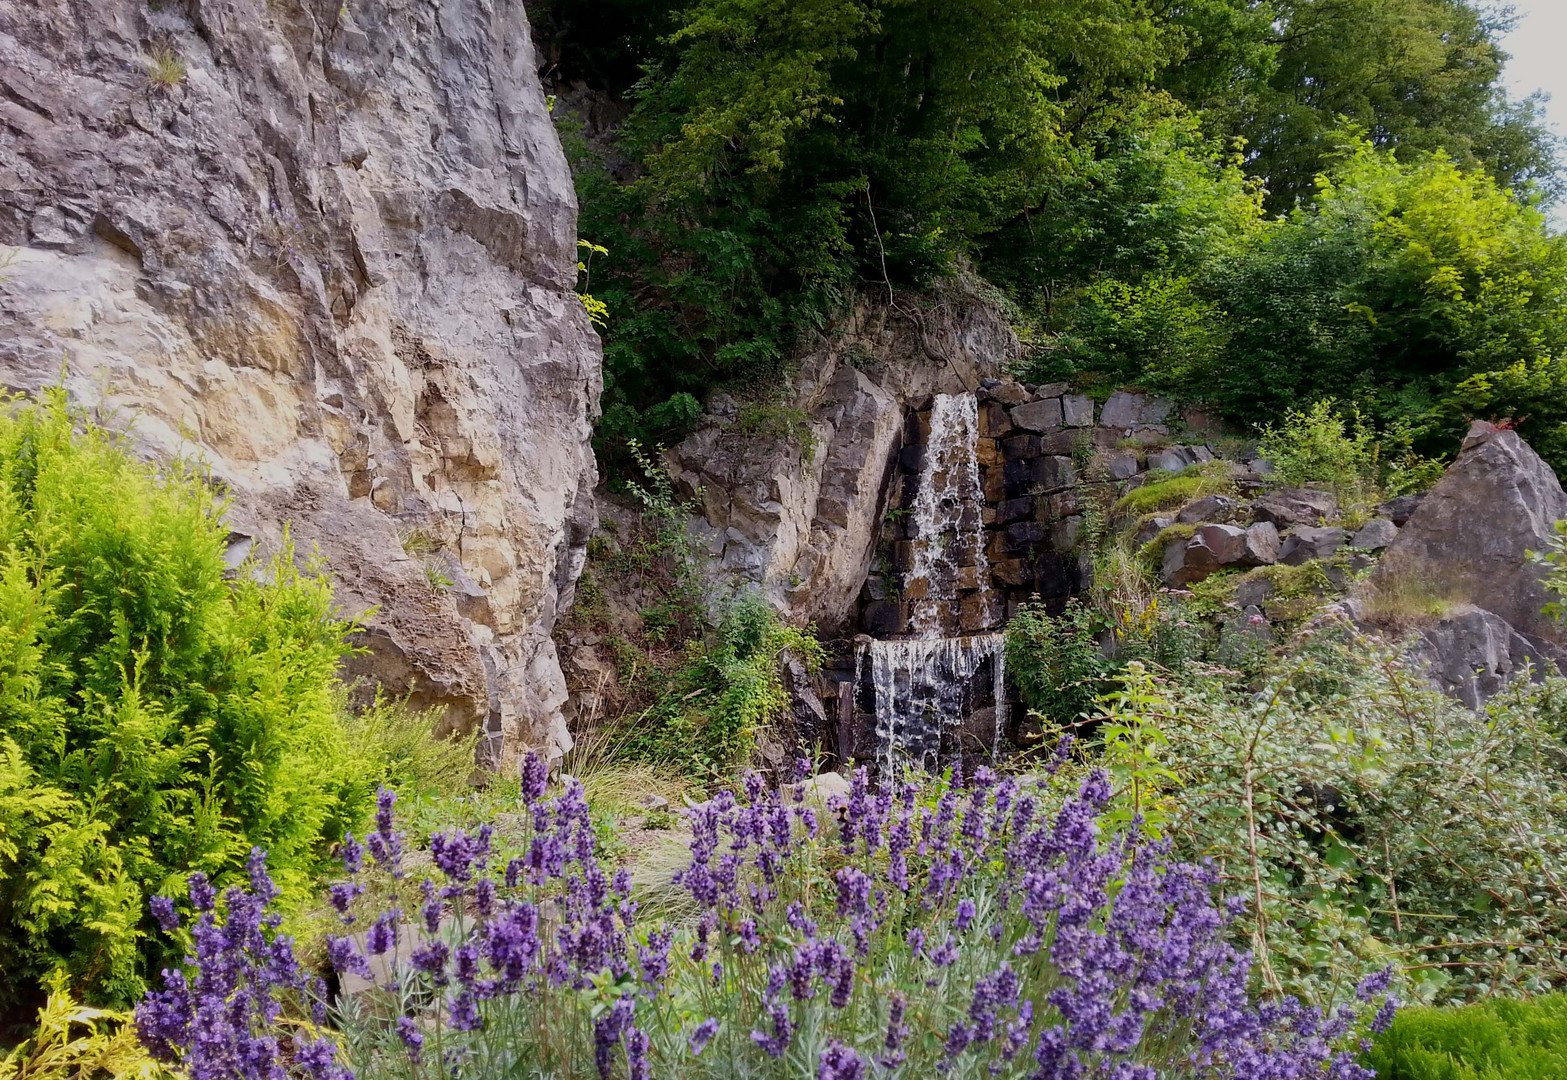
x=330, y=248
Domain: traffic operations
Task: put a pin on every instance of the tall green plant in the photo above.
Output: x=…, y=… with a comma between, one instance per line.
x=155, y=718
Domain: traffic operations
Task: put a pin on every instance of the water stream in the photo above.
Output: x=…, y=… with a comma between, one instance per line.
x=925, y=685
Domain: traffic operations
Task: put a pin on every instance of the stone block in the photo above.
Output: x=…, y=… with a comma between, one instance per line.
x=1018, y=447
x=1253, y=591
x=1053, y=473
x=1012, y=510
x=987, y=451
x=1401, y=509
x=1151, y=528
x=993, y=420
x=1055, y=576
x=1170, y=459
x=1295, y=506
x=1038, y=415
x=995, y=483
x=1077, y=410
x=1013, y=572
x=1005, y=391
x=1123, y=464
x=1129, y=410
x=974, y=613
x=1262, y=545
x=1309, y=542
x=1063, y=536
x=1049, y=389
x=1019, y=477
x=1215, y=508
x=1022, y=536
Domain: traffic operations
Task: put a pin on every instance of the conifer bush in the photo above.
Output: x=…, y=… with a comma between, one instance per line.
x=155, y=718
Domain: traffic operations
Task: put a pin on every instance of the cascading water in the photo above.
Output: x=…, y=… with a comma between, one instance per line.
x=924, y=686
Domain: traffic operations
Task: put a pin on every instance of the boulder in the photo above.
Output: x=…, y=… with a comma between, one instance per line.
x=1077, y=410
x=1214, y=547
x=1216, y=508
x=1171, y=459
x=1295, y=506
x=1401, y=509
x=1307, y=542
x=1469, y=537
x=1472, y=653
x=1038, y=415
x=1253, y=591
x=1262, y=544
x=1123, y=464
x=1375, y=535
x=1151, y=528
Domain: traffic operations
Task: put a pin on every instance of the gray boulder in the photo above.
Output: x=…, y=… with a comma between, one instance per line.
x=1038, y=415
x=1214, y=547
x=1375, y=535
x=1295, y=506
x=1171, y=459
x=1308, y=542
x=1123, y=464
x=1401, y=509
x=1128, y=410
x=1217, y=508
x=1077, y=410
x=1472, y=654
x=1152, y=528
x=1469, y=536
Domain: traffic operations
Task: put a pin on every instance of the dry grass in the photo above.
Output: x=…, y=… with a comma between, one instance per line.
x=1402, y=602
x=165, y=69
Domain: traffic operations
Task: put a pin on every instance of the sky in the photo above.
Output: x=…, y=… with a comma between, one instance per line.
x=1538, y=44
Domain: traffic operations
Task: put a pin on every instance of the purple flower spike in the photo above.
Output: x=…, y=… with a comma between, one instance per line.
x=163, y=911
x=838, y=1062
x=702, y=1036
x=535, y=777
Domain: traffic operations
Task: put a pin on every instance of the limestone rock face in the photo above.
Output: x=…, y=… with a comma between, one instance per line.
x=336, y=260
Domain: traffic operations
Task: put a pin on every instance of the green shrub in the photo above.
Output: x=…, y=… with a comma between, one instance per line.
x=1372, y=818
x=1492, y=1040
x=156, y=718
x=708, y=718
x=1320, y=447
x=1056, y=661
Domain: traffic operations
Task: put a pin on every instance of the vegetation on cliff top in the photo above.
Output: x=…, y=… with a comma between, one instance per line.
x=1259, y=204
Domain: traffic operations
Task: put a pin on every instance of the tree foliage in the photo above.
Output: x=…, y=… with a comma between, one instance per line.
x=1110, y=163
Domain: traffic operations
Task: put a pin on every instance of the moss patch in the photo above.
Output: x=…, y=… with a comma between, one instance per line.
x=1165, y=491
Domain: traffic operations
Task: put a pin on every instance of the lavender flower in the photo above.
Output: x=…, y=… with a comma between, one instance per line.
x=702, y=1035
x=163, y=911
x=838, y=1062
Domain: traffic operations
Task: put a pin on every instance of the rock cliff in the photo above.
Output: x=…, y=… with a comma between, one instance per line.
x=796, y=515
x=330, y=248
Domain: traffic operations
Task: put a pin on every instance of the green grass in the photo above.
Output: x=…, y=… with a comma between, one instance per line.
x=1494, y=1040
x=1165, y=492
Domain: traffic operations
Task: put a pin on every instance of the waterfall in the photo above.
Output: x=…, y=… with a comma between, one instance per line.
x=924, y=690
x=924, y=686
x=949, y=522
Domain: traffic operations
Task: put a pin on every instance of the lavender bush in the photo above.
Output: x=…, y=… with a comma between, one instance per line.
x=959, y=929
